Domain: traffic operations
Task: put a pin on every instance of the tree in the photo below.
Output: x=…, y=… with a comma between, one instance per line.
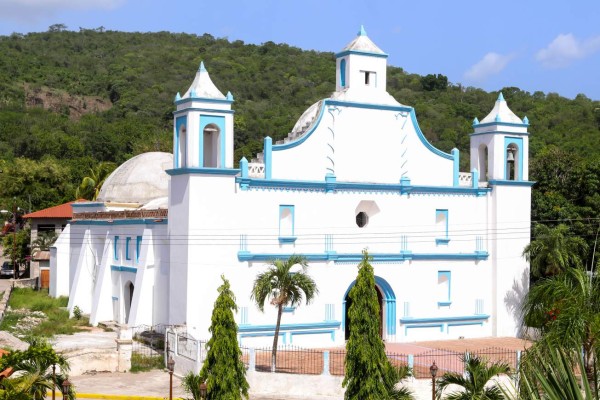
x=44, y=241
x=554, y=250
x=33, y=369
x=433, y=82
x=369, y=373
x=90, y=185
x=552, y=376
x=565, y=309
x=223, y=369
x=474, y=382
x=283, y=287
x=21, y=250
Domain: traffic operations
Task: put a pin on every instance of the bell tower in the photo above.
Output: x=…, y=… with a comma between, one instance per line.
x=361, y=64
x=499, y=152
x=500, y=145
x=203, y=126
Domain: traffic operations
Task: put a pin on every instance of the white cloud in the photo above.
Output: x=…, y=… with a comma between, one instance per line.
x=565, y=49
x=490, y=64
x=31, y=11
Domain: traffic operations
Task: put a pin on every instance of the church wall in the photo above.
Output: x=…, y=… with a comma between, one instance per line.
x=326, y=222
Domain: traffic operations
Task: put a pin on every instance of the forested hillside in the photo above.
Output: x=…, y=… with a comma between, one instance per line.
x=69, y=100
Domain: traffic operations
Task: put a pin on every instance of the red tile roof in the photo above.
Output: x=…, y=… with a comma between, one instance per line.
x=64, y=211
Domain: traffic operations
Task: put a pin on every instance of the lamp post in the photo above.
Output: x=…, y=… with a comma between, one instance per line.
x=53, y=381
x=171, y=367
x=65, y=389
x=433, y=370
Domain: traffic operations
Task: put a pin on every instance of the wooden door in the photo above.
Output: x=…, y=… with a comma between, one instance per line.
x=45, y=278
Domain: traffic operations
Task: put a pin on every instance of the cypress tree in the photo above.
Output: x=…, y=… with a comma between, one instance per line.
x=369, y=373
x=223, y=370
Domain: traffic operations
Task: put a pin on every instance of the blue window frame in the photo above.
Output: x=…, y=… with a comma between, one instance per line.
x=286, y=224
x=441, y=227
x=116, y=248
x=138, y=248
x=127, y=250
x=444, y=282
x=343, y=72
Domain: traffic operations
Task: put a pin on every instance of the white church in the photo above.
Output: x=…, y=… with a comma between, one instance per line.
x=355, y=173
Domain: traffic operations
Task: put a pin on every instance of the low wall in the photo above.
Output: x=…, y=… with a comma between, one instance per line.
x=88, y=360
x=26, y=283
x=323, y=387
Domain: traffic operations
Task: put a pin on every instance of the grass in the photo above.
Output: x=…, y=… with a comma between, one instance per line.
x=142, y=363
x=57, y=317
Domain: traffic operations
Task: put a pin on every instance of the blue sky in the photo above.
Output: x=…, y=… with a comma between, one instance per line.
x=551, y=46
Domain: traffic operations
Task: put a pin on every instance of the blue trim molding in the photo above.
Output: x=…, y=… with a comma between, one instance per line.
x=120, y=268
x=289, y=327
x=219, y=122
x=478, y=318
x=87, y=204
x=179, y=122
x=500, y=133
x=500, y=182
x=326, y=102
x=268, y=156
x=360, y=53
x=203, y=100
x=518, y=141
x=500, y=123
x=210, y=110
x=332, y=185
x=245, y=255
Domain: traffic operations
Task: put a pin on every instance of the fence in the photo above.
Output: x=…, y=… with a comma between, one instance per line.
x=148, y=347
x=189, y=354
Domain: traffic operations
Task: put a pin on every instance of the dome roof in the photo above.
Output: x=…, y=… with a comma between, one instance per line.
x=140, y=179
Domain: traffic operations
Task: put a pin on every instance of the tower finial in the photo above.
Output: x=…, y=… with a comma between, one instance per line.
x=500, y=97
x=202, y=67
x=362, y=31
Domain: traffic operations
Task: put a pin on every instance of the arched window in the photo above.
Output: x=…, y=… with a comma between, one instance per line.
x=211, y=146
x=483, y=166
x=343, y=72
x=182, y=147
x=512, y=162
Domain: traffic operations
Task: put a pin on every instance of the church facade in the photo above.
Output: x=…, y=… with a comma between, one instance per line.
x=355, y=173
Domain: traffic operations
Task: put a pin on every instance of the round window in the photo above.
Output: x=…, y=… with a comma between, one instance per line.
x=362, y=219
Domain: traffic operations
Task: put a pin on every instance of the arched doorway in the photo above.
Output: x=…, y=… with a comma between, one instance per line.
x=128, y=295
x=387, y=308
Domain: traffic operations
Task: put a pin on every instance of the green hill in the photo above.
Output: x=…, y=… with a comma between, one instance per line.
x=69, y=100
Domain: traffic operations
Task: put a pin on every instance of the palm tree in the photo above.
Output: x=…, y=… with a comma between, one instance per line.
x=554, y=250
x=565, y=309
x=552, y=376
x=90, y=185
x=33, y=370
x=478, y=373
x=44, y=241
x=283, y=288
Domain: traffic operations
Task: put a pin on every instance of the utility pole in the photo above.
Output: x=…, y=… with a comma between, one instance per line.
x=14, y=260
